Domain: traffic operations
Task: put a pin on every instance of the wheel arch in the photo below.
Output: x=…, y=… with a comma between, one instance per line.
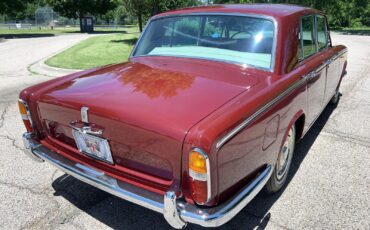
x=298, y=121
x=299, y=125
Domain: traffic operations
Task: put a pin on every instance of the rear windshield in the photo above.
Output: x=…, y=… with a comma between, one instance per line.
x=239, y=39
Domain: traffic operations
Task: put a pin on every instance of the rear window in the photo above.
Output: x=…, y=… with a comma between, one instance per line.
x=237, y=39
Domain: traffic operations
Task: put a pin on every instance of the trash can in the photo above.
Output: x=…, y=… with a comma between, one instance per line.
x=87, y=24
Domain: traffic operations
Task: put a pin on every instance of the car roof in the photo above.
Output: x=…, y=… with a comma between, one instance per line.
x=273, y=10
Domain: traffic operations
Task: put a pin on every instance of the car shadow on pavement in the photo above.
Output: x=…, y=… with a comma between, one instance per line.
x=26, y=35
x=120, y=214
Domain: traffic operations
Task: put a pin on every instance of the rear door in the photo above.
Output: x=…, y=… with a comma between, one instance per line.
x=315, y=61
x=333, y=65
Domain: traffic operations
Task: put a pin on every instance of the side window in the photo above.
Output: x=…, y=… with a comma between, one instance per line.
x=322, y=40
x=308, y=41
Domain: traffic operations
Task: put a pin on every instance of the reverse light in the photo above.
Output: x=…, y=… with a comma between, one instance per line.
x=25, y=114
x=199, y=173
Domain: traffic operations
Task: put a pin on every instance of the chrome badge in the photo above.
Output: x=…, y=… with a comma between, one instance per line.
x=84, y=114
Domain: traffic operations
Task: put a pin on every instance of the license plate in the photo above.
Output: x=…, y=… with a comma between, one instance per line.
x=93, y=146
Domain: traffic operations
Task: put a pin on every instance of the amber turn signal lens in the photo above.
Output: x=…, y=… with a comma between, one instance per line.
x=197, y=162
x=199, y=176
x=23, y=110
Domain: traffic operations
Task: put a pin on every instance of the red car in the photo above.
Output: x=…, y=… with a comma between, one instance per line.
x=206, y=112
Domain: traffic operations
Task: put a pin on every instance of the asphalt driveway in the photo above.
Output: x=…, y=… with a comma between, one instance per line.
x=329, y=184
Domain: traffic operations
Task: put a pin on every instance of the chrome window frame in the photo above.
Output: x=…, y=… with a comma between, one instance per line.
x=259, y=16
x=302, y=58
x=328, y=38
x=326, y=33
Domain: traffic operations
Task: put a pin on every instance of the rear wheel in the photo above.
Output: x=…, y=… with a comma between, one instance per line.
x=284, y=160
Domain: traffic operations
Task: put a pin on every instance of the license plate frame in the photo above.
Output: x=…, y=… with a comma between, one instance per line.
x=93, y=146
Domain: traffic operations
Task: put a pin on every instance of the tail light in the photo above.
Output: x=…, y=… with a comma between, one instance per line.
x=199, y=173
x=26, y=115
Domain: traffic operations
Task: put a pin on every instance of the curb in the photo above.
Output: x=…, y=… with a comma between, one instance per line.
x=41, y=68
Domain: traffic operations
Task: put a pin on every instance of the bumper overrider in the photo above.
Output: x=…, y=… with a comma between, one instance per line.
x=175, y=210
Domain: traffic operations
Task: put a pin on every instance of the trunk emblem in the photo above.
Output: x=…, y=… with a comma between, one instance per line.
x=85, y=126
x=85, y=115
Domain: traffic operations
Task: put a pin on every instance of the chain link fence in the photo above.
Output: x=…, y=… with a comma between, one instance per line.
x=47, y=18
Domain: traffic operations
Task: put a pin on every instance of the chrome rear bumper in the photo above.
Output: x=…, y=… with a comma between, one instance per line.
x=176, y=211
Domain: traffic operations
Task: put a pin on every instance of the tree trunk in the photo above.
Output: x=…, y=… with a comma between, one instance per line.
x=140, y=20
x=81, y=27
x=81, y=15
x=155, y=8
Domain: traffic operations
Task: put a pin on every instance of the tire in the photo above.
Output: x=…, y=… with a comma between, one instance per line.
x=283, y=163
x=335, y=99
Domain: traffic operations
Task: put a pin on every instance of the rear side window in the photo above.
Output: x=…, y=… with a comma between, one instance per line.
x=308, y=36
x=322, y=40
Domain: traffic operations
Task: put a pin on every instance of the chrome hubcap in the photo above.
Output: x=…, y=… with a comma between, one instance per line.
x=284, y=155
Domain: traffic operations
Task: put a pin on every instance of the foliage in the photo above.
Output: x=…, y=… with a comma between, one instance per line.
x=143, y=9
x=11, y=7
x=340, y=13
x=81, y=8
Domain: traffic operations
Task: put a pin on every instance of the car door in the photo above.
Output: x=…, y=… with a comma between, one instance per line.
x=332, y=64
x=316, y=67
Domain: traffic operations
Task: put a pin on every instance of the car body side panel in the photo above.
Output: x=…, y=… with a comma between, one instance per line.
x=237, y=161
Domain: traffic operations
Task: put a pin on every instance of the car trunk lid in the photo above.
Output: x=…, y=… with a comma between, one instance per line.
x=145, y=108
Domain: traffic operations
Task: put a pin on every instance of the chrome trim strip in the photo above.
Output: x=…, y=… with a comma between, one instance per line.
x=176, y=210
x=272, y=19
x=219, y=215
x=338, y=55
x=251, y=118
x=321, y=67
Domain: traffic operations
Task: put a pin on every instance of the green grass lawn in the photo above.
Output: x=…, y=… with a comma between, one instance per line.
x=97, y=51
x=355, y=31
x=5, y=32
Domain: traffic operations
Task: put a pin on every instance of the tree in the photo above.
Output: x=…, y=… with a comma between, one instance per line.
x=142, y=9
x=82, y=8
x=137, y=8
x=11, y=7
x=340, y=13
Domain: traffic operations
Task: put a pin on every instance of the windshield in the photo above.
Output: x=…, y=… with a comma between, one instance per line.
x=237, y=39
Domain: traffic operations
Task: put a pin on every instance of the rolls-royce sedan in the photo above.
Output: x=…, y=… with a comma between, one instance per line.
x=204, y=115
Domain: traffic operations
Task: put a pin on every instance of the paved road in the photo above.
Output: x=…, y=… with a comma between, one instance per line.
x=329, y=186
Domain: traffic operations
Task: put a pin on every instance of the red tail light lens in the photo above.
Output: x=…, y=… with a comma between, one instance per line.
x=25, y=114
x=199, y=174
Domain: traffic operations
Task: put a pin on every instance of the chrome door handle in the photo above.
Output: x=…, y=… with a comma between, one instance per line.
x=310, y=75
